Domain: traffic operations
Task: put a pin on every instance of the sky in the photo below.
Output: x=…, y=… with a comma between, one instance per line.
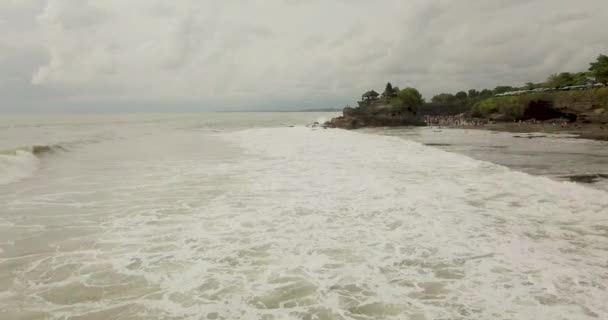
x=203, y=55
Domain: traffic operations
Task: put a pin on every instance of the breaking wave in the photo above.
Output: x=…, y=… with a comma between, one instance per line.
x=21, y=163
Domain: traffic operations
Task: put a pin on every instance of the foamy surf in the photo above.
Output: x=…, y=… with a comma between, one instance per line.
x=324, y=119
x=21, y=163
x=400, y=230
x=17, y=166
x=299, y=223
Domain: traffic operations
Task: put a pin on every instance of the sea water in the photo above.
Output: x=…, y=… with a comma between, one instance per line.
x=257, y=216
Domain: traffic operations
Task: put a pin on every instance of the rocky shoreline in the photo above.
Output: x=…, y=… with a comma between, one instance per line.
x=580, y=131
x=580, y=114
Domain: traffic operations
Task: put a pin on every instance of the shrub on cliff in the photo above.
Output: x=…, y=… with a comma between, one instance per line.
x=515, y=106
x=564, y=79
x=599, y=69
x=444, y=98
x=409, y=98
x=389, y=91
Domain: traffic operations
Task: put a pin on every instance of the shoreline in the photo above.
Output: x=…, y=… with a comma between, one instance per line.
x=579, y=131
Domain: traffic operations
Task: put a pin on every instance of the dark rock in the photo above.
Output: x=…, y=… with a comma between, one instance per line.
x=437, y=144
x=542, y=110
x=587, y=178
x=530, y=136
x=348, y=112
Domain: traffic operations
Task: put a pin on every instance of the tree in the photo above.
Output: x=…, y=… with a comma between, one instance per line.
x=444, y=98
x=554, y=81
x=580, y=78
x=461, y=95
x=473, y=93
x=389, y=87
x=389, y=92
x=530, y=85
x=599, y=69
x=502, y=89
x=408, y=97
x=485, y=92
x=563, y=79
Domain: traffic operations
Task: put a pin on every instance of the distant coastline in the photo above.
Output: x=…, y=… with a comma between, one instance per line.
x=321, y=110
x=573, y=103
x=287, y=111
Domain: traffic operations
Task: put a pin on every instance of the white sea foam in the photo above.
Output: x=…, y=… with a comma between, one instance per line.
x=326, y=118
x=602, y=184
x=318, y=224
x=17, y=166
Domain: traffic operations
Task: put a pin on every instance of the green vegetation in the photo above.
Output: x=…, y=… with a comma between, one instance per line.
x=515, y=106
x=599, y=69
x=511, y=106
x=484, y=102
x=565, y=79
x=389, y=91
x=408, y=97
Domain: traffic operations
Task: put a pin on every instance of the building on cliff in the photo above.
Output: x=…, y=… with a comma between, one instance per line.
x=375, y=112
x=370, y=96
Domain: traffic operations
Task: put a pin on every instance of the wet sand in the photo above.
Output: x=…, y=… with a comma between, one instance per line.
x=581, y=131
x=558, y=155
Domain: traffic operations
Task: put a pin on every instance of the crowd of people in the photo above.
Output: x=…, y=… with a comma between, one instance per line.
x=460, y=121
x=454, y=121
x=556, y=122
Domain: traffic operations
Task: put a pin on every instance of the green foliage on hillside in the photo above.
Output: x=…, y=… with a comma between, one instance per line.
x=408, y=97
x=483, y=102
x=565, y=79
x=599, y=69
x=516, y=105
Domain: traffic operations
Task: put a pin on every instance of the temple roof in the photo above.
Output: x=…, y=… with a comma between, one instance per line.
x=371, y=93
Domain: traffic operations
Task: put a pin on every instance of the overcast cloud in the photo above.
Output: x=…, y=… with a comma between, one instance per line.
x=137, y=55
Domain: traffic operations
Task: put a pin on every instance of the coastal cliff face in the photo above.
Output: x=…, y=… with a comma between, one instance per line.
x=374, y=114
x=587, y=110
x=576, y=106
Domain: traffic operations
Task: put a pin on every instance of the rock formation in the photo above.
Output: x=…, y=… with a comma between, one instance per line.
x=375, y=114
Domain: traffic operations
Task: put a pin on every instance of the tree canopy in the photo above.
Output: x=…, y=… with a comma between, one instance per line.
x=565, y=79
x=411, y=98
x=485, y=92
x=389, y=92
x=502, y=89
x=461, y=95
x=389, y=87
x=408, y=97
x=444, y=98
x=599, y=69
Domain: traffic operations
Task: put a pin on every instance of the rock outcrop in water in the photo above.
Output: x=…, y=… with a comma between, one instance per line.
x=375, y=113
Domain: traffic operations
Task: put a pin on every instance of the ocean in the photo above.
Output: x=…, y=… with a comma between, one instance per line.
x=259, y=216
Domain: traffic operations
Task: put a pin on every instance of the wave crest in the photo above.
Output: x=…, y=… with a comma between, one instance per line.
x=20, y=163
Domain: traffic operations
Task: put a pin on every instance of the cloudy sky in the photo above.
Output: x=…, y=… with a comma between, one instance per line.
x=187, y=55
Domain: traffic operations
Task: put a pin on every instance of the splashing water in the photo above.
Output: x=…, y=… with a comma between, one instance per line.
x=297, y=223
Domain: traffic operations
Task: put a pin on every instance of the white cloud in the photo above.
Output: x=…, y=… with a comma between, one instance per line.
x=238, y=52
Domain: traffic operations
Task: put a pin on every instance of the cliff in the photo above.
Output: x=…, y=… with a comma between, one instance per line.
x=589, y=106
